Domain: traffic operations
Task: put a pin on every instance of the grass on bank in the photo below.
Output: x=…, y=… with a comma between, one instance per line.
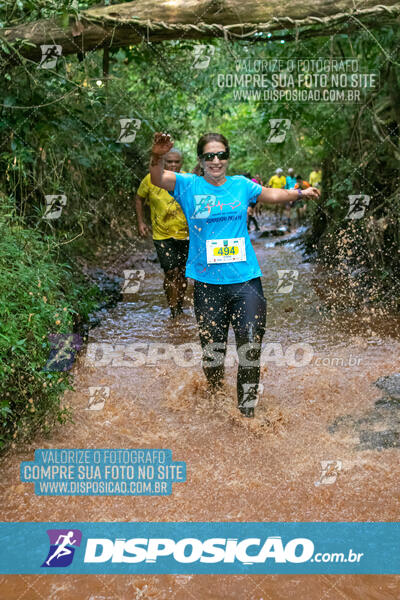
x=40, y=294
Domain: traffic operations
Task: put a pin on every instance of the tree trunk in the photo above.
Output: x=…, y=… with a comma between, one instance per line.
x=158, y=20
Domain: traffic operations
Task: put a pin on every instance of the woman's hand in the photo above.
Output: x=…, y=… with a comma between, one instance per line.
x=162, y=144
x=311, y=192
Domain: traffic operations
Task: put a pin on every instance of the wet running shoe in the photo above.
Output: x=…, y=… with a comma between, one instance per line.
x=247, y=412
x=249, y=400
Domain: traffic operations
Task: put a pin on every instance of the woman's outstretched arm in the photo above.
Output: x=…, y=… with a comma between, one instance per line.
x=162, y=144
x=281, y=196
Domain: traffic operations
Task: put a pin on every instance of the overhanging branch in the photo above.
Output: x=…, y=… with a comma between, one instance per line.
x=159, y=20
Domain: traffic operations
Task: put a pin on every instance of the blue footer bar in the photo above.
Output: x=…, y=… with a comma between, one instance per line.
x=199, y=548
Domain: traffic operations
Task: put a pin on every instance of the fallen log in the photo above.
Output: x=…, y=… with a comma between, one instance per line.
x=158, y=20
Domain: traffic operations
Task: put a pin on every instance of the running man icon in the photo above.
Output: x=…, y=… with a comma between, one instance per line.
x=61, y=550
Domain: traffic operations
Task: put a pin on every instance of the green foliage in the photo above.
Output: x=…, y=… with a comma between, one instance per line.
x=361, y=156
x=65, y=141
x=15, y=12
x=38, y=295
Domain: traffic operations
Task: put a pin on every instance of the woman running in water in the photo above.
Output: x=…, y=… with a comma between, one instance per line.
x=222, y=262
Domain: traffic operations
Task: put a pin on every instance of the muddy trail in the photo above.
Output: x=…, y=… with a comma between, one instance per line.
x=263, y=469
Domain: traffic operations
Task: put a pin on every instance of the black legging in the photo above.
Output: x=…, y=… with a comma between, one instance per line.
x=243, y=305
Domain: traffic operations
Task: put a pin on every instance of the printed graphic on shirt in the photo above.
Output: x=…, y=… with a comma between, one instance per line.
x=207, y=205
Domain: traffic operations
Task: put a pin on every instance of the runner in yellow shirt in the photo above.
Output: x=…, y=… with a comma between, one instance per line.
x=278, y=180
x=315, y=177
x=170, y=232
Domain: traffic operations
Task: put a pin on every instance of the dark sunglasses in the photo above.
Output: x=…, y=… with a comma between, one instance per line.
x=209, y=156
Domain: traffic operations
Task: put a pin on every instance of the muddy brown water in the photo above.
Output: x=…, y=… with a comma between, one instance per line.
x=238, y=469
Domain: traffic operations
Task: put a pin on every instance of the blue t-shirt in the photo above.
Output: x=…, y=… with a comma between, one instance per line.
x=217, y=212
x=290, y=182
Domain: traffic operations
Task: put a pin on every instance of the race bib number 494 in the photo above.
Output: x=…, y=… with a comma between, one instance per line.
x=226, y=251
